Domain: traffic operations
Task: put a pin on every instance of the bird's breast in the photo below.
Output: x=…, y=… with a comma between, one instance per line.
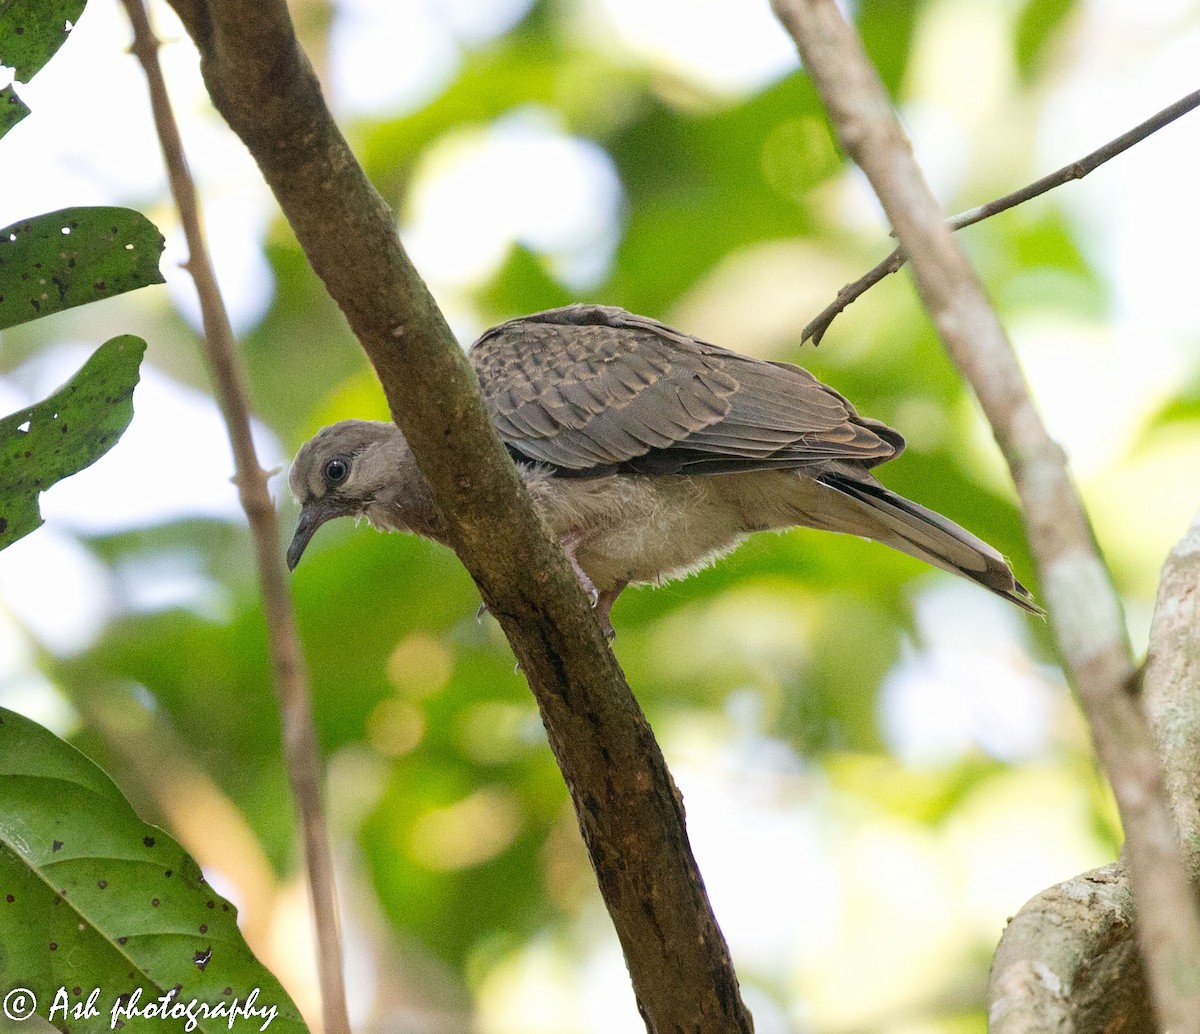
x=629, y=528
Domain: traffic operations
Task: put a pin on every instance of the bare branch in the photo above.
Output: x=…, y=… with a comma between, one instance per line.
x=628, y=808
x=300, y=748
x=1068, y=961
x=815, y=329
x=1085, y=612
x=1171, y=687
x=1070, y=951
x=1075, y=171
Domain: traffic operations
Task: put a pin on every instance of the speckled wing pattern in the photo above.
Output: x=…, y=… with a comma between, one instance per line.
x=591, y=388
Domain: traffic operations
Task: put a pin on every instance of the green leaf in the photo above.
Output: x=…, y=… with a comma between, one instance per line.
x=717, y=181
x=61, y=259
x=523, y=284
x=31, y=31
x=12, y=109
x=92, y=897
x=70, y=430
x=1036, y=25
x=887, y=31
x=1184, y=408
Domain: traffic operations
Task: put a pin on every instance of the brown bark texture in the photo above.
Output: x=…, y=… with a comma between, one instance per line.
x=1068, y=960
x=628, y=808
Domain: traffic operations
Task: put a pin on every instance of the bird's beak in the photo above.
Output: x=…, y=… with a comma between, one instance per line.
x=312, y=516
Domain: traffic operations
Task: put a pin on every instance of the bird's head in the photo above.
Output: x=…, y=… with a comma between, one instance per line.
x=341, y=472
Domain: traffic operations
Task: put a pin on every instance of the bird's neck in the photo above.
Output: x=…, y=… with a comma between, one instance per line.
x=407, y=505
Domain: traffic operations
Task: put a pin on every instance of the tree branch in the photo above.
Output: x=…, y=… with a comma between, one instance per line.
x=1085, y=613
x=1071, y=950
x=300, y=748
x=1171, y=687
x=1075, y=171
x=1068, y=961
x=629, y=811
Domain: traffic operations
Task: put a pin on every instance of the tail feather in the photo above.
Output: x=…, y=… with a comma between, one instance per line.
x=937, y=540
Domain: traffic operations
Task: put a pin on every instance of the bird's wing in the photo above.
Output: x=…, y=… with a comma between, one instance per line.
x=590, y=387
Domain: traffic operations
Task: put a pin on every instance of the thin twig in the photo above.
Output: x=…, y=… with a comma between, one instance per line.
x=300, y=747
x=1075, y=171
x=1084, y=608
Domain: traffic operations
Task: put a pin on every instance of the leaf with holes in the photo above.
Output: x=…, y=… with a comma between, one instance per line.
x=31, y=31
x=12, y=109
x=92, y=897
x=70, y=430
x=55, y=261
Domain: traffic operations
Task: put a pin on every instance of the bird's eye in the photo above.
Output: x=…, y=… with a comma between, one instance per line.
x=336, y=470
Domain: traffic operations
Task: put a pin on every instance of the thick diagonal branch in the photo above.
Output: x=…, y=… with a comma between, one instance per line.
x=628, y=809
x=1084, y=610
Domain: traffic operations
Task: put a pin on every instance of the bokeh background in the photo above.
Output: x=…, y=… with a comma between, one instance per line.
x=880, y=764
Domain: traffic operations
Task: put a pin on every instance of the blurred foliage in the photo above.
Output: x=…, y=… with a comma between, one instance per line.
x=445, y=794
x=1036, y=28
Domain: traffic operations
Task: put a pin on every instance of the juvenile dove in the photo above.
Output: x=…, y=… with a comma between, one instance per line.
x=649, y=453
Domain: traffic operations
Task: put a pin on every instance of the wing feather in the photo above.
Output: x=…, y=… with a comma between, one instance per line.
x=592, y=387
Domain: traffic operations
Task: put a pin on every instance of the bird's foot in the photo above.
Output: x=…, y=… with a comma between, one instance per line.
x=593, y=593
x=601, y=601
x=603, y=605
x=604, y=608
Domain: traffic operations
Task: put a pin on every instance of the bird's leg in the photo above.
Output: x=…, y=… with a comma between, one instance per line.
x=569, y=542
x=601, y=601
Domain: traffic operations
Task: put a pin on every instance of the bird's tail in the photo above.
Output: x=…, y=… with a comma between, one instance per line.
x=926, y=535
